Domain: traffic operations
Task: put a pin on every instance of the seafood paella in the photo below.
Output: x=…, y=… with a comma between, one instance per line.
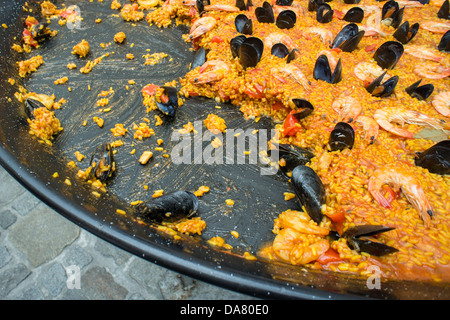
x=353, y=88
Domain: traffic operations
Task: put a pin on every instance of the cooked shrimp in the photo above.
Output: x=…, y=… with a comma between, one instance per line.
x=299, y=221
x=279, y=37
x=367, y=71
x=372, y=27
x=347, y=107
x=431, y=70
x=216, y=71
x=292, y=246
x=370, y=128
x=441, y=102
x=221, y=7
x=293, y=72
x=423, y=52
x=325, y=35
x=201, y=26
x=409, y=4
x=435, y=26
x=400, y=178
x=386, y=118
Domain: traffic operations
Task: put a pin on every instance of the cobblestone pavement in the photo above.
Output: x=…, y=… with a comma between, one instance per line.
x=37, y=246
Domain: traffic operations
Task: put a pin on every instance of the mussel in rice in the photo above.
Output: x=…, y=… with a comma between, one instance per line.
x=30, y=105
x=243, y=24
x=290, y=156
x=200, y=4
x=303, y=108
x=324, y=13
x=444, y=44
x=322, y=70
x=235, y=43
x=169, y=102
x=265, y=13
x=243, y=5
x=286, y=19
x=102, y=162
x=348, y=38
x=381, y=89
x=405, y=33
x=342, y=137
x=388, y=54
x=436, y=159
x=171, y=207
x=199, y=58
x=420, y=92
x=392, y=14
x=352, y=1
x=355, y=14
x=284, y=3
x=281, y=51
x=250, y=52
x=357, y=239
x=444, y=11
x=40, y=32
x=309, y=190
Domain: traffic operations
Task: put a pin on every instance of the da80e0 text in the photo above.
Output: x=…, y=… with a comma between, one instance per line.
x=243, y=309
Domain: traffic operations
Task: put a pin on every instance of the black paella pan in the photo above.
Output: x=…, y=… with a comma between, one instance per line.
x=258, y=198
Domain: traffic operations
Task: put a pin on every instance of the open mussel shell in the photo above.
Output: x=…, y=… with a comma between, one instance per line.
x=102, y=162
x=243, y=5
x=292, y=155
x=405, y=33
x=348, y=38
x=388, y=54
x=342, y=137
x=235, y=43
x=324, y=13
x=265, y=14
x=199, y=58
x=243, y=24
x=391, y=14
x=436, y=159
x=322, y=70
x=281, y=51
x=32, y=104
x=40, y=32
x=444, y=11
x=200, y=4
x=171, y=207
x=285, y=3
x=352, y=1
x=382, y=90
x=356, y=239
x=170, y=107
x=250, y=52
x=286, y=19
x=355, y=14
x=309, y=190
x=444, y=44
x=303, y=108
x=420, y=92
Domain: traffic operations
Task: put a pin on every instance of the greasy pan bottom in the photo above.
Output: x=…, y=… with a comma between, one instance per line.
x=259, y=199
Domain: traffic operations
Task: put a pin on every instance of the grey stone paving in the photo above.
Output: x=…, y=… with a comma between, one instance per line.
x=38, y=247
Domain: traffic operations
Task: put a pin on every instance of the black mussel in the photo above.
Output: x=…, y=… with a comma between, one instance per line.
x=243, y=24
x=290, y=155
x=102, y=162
x=265, y=14
x=420, y=92
x=352, y=1
x=30, y=105
x=444, y=11
x=309, y=190
x=250, y=52
x=235, y=43
x=303, y=108
x=324, y=13
x=391, y=14
x=281, y=51
x=388, y=54
x=285, y=3
x=40, y=32
x=286, y=19
x=199, y=58
x=169, y=102
x=355, y=14
x=436, y=159
x=314, y=4
x=444, y=44
x=242, y=5
x=322, y=70
x=356, y=239
x=342, y=137
x=171, y=207
x=348, y=38
x=382, y=90
x=405, y=33
x=201, y=5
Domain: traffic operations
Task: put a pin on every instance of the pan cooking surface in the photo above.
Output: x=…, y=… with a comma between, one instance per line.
x=258, y=198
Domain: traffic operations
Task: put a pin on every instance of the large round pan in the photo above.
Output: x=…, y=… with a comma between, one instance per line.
x=258, y=198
